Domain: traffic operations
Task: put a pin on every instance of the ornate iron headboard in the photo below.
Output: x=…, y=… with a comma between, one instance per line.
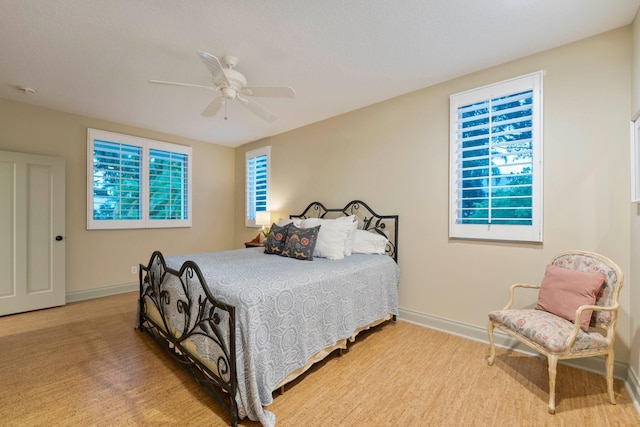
x=385, y=225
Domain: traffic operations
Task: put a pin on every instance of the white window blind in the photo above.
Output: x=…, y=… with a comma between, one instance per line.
x=137, y=183
x=116, y=185
x=257, y=183
x=496, y=161
x=168, y=185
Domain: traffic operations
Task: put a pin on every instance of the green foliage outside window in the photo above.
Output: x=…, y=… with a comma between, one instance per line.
x=117, y=172
x=496, y=164
x=116, y=181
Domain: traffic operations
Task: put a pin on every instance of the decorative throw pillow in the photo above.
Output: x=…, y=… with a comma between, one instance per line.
x=562, y=291
x=274, y=244
x=300, y=242
x=367, y=242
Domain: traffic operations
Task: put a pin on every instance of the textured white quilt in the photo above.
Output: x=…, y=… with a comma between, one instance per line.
x=287, y=310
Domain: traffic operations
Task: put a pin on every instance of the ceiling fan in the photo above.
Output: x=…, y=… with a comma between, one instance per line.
x=232, y=85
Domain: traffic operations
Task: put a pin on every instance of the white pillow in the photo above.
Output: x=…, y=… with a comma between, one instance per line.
x=332, y=237
x=282, y=222
x=367, y=242
x=353, y=226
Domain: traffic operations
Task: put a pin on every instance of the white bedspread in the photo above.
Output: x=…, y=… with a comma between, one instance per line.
x=287, y=310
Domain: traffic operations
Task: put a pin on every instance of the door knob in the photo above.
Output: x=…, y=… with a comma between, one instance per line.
x=58, y=238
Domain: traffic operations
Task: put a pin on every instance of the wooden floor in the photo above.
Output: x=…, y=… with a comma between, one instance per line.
x=85, y=365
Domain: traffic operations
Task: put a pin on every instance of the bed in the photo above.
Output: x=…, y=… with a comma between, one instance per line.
x=244, y=323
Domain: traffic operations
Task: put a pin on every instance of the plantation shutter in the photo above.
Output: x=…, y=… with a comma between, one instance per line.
x=168, y=185
x=135, y=182
x=256, y=185
x=496, y=161
x=116, y=181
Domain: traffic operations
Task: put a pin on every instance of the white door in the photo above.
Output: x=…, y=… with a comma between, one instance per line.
x=32, y=246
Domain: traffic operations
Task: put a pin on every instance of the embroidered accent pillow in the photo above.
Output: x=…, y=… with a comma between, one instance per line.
x=562, y=291
x=300, y=242
x=274, y=244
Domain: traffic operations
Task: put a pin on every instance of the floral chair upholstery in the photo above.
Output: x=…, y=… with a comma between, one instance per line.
x=558, y=338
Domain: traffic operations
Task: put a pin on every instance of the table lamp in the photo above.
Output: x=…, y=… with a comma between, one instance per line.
x=263, y=219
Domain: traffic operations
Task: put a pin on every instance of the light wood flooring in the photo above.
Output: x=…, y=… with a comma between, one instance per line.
x=84, y=365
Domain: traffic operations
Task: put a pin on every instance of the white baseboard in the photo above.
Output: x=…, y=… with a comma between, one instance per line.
x=592, y=364
x=101, y=292
x=633, y=387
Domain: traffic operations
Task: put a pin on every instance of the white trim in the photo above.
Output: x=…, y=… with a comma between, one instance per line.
x=102, y=292
x=524, y=233
x=174, y=148
x=633, y=387
x=145, y=145
x=92, y=135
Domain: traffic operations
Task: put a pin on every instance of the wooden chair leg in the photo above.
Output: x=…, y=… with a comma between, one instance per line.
x=492, y=348
x=553, y=363
x=609, y=367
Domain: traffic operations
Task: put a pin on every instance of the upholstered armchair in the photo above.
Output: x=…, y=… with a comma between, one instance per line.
x=575, y=315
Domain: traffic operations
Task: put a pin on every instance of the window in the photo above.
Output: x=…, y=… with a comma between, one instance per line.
x=137, y=183
x=257, y=183
x=495, y=182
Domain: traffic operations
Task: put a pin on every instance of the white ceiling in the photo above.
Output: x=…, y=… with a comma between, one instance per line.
x=95, y=58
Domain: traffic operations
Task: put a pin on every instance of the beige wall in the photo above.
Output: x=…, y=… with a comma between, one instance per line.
x=100, y=258
x=394, y=155
x=634, y=360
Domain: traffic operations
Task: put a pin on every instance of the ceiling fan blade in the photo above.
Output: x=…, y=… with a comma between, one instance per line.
x=161, y=82
x=257, y=109
x=215, y=67
x=270, y=91
x=213, y=107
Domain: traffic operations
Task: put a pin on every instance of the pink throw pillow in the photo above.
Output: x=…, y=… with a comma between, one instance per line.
x=562, y=291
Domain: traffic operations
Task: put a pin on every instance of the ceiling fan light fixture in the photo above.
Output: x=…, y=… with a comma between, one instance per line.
x=232, y=85
x=229, y=92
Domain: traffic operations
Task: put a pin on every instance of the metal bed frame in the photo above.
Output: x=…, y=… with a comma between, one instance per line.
x=385, y=225
x=216, y=321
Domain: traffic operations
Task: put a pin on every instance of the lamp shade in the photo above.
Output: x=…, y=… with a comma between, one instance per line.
x=263, y=218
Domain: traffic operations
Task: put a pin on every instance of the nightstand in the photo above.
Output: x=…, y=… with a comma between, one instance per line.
x=253, y=244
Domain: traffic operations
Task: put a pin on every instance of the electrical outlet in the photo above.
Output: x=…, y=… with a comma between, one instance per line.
x=134, y=269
